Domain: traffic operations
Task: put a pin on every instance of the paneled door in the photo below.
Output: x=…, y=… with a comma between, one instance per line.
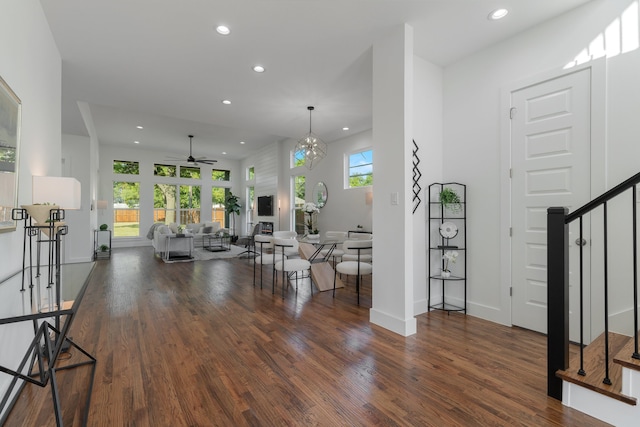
x=550, y=159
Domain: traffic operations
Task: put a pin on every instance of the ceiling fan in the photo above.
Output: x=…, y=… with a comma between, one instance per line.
x=193, y=160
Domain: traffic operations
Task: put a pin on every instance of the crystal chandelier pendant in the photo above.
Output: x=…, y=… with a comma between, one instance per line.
x=314, y=148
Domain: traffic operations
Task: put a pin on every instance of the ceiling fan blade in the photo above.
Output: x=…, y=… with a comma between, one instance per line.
x=208, y=162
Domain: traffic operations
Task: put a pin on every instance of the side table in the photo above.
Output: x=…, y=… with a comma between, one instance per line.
x=182, y=246
x=217, y=243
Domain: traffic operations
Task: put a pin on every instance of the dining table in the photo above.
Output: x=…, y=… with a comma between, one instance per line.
x=322, y=273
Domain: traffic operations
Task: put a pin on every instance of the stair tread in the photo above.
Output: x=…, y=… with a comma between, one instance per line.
x=624, y=356
x=595, y=369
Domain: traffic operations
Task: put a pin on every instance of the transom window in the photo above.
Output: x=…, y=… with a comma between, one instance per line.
x=164, y=170
x=220, y=175
x=189, y=172
x=126, y=167
x=297, y=158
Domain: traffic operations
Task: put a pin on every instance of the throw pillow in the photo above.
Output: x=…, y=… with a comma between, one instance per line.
x=207, y=230
x=173, y=227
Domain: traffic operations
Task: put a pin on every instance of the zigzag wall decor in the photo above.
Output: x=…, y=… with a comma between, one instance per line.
x=416, y=178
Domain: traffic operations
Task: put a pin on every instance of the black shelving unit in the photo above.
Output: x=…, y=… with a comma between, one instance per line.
x=101, y=237
x=445, y=221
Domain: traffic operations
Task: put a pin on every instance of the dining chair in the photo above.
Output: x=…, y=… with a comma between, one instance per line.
x=289, y=250
x=265, y=242
x=334, y=255
x=357, y=268
x=288, y=266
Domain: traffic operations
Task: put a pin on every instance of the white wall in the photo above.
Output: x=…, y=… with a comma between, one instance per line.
x=267, y=166
x=472, y=123
x=427, y=131
x=146, y=159
x=32, y=67
x=78, y=244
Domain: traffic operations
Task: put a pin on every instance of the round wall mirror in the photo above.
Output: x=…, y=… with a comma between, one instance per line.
x=320, y=194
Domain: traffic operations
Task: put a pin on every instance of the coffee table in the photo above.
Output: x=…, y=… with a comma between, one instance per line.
x=217, y=243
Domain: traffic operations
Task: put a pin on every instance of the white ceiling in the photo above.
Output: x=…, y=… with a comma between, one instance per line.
x=161, y=64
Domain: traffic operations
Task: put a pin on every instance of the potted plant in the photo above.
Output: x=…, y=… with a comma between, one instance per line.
x=450, y=200
x=449, y=256
x=232, y=205
x=104, y=227
x=104, y=248
x=311, y=210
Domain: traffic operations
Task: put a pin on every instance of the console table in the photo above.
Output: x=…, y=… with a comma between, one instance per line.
x=50, y=309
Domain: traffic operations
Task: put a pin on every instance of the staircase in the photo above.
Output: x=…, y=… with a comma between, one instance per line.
x=603, y=378
x=615, y=403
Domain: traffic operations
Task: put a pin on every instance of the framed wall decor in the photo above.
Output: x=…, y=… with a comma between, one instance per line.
x=10, y=109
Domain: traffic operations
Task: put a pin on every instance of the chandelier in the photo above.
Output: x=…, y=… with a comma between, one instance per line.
x=314, y=148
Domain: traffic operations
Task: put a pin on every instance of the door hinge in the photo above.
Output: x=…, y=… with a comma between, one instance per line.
x=510, y=291
x=512, y=112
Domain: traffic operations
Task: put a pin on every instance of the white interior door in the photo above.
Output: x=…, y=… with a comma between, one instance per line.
x=550, y=159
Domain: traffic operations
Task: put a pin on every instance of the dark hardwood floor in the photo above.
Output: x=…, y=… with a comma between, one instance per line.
x=195, y=344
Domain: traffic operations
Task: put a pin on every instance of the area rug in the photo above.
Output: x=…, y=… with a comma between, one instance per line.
x=200, y=254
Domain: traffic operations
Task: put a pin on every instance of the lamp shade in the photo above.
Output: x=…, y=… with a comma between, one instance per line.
x=62, y=191
x=7, y=189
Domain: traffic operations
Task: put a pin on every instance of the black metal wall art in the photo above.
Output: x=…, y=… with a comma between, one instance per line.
x=416, y=178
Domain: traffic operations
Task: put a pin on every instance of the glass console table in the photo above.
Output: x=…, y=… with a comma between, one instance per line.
x=50, y=308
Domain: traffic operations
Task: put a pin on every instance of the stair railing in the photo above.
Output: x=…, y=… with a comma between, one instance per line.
x=558, y=220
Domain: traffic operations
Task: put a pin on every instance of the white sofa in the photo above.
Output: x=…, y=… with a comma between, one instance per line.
x=159, y=241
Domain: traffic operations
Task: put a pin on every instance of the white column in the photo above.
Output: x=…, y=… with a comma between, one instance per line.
x=392, y=145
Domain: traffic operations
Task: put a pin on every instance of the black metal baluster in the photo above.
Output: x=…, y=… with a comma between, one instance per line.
x=606, y=379
x=581, y=370
x=635, y=355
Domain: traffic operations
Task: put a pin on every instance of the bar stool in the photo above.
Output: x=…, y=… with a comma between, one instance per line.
x=288, y=266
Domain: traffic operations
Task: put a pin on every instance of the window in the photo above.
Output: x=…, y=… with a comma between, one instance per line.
x=126, y=167
x=361, y=169
x=164, y=203
x=299, y=191
x=164, y=170
x=218, y=198
x=189, y=204
x=220, y=175
x=297, y=158
x=189, y=172
x=251, y=192
x=251, y=173
x=126, y=209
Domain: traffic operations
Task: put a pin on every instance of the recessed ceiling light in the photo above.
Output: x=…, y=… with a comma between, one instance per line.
x=222, y=29
x=498, y=14
x=224, y=152
x=136, y=142
x=226, y=102
x=139, y=127
x=242, y=142
x=345, y=128
x=258, y=68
